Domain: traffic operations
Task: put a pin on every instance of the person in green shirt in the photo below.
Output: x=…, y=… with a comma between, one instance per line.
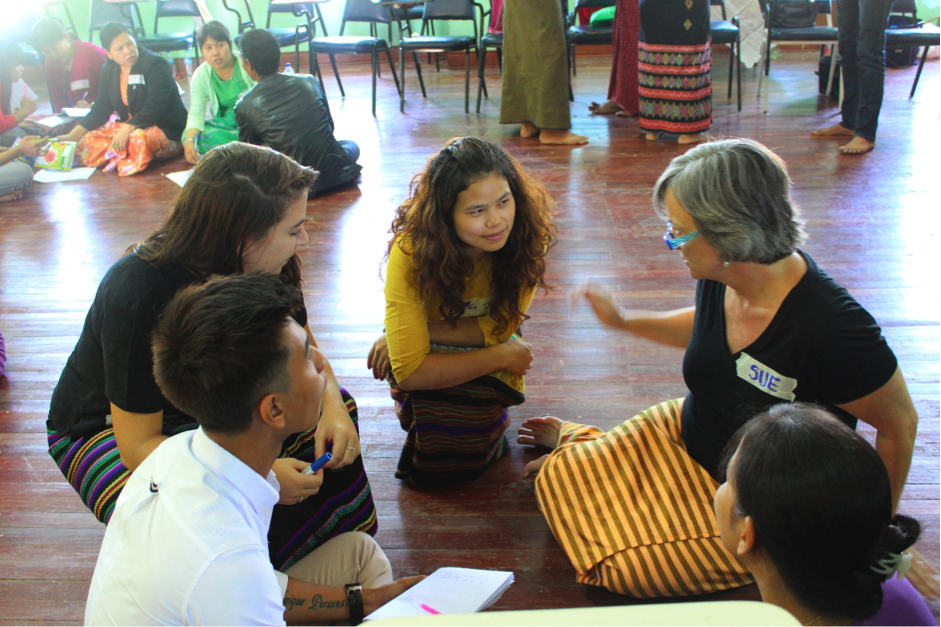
x=220, y=81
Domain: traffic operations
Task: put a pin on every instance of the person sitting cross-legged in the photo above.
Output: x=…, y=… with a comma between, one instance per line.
x=187, y=542
x=290, y=114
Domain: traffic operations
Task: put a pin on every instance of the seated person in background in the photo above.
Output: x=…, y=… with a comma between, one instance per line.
x=807, y=507
x=187, y=543
x=290, y=114
x=11, y=70
x=15, y=176
x=138, y=85
x=72, y=68
x=221, y=82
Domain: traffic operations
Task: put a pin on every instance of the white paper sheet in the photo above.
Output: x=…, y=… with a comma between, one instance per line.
x=180, y=178
x=54, y=121
x=57, y=176
x=448, y=591
x=75, y=112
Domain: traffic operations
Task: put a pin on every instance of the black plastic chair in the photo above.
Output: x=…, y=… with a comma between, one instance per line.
x=102, y=12
x=357, y=11
x=173, y=42
x=301, y=33
x=445, y=10
x=919, y=35
x=728, y=32
x=813, y=35
x=578, y=35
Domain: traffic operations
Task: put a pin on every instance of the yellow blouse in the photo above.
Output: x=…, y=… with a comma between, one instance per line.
x=407, y=316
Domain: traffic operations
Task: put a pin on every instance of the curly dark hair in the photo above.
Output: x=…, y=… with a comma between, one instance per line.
x=426, y=218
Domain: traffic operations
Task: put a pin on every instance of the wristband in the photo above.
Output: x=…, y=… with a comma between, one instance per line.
x=354, y=594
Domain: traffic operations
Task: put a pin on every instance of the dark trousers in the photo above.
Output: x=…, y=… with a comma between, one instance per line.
x=862, y=52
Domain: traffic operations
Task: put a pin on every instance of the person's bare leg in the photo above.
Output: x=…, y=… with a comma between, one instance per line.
x=528, y=130
x=837, y=130
x=857, y=146
x=540, y=431
x=607, y=108
x=563, y=137
x=531, y=470
x=691, y=138
x=650, y=136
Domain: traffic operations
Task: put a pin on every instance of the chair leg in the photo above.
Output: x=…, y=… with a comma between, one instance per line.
x=316, y=71
x=375, y=68
x=731, y=68
x=297, y=55
x=402, y=83
x=921, y=64
x=738, y=72
x=500, y=59
x=421, y=81
x=333, y=62
x=392, y=67
x=481, y=55
x=467, y=80
x=832, y=71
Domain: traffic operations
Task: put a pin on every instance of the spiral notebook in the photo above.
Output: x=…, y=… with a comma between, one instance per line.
x=448, y=591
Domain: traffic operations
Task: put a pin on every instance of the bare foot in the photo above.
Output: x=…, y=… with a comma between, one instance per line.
x=837, y=130
x=650, y=136
x=691, y=138
x=607, y=108
x=528, y=130
x=624, y=113
x=562, y=137
x=540, y=431
x=531, y=470
x=12, y=196
x=857, y=146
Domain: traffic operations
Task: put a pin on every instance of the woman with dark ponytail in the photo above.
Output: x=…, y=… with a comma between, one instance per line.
x=807, y=509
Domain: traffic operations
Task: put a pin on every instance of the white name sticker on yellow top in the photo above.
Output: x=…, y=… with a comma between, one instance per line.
x=136, y=79
x=764, y=378
x=76, y=85
x=477, y=307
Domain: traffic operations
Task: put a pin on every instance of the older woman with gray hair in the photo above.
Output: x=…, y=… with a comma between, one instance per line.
x=633, y=506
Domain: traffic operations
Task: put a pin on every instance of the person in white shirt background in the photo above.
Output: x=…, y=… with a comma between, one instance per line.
x=187, y=543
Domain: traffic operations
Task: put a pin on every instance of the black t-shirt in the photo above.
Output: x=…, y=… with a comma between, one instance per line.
x=820, y=347
x=112, y=361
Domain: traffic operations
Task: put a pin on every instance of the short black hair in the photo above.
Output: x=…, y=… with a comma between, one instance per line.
x=262, y=51
x=109, y=31
x=214, y=29
x=47, y=33
x=219, y=348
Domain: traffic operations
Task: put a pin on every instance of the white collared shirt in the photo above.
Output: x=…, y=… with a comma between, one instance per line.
x=187, y=544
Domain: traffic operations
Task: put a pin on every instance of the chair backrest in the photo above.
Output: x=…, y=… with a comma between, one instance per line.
x=449, y=10
x=905, y=6
x=594, y=4
x=175, y=8
x=366, y=11
x=293, y=9
x=103, y=12
x=243, y=23
x=719, y=3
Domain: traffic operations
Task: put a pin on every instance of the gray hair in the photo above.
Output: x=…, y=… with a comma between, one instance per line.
x=738, y=191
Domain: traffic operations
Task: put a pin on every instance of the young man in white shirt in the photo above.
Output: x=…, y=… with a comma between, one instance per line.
x=188, y=540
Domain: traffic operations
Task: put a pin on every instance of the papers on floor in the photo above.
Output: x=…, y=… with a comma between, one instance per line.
x=448, y=591
x=180, y=178
x=57, y=176
x=76, y=112
x=55, y=120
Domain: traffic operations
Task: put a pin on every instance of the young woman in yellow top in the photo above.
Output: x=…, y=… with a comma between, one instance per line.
x=467, y=255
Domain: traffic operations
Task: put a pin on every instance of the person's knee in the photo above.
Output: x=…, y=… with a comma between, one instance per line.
x=15, y=176
x=374, y=566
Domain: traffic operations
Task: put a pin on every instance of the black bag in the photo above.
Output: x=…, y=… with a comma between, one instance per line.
x=901, y=57
x=793, y=14
x=823, y=73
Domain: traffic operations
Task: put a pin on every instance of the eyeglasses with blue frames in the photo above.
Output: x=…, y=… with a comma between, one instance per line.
x=675, y=242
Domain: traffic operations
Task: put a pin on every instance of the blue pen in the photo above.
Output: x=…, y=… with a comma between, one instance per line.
x=317, y=465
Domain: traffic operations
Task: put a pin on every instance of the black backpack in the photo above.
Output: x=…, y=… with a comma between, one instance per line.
x=793, y=14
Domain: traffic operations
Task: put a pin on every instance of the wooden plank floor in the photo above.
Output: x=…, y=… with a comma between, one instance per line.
x=872, y=223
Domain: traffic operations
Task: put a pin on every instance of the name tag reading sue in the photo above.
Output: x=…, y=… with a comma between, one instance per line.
x=76, y=85
x=764, y=378
x=136, y=79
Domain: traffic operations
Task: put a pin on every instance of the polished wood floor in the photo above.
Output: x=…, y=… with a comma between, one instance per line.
x=872, y=223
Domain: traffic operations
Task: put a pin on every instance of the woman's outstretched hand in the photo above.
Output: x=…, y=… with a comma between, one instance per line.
x=604, y=304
